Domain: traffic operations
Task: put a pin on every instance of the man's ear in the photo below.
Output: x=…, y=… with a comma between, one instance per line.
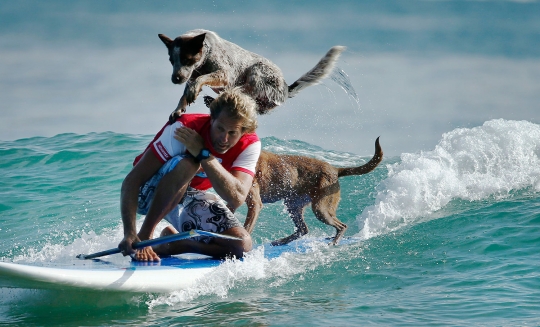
x=196, y=43
x=166, y=40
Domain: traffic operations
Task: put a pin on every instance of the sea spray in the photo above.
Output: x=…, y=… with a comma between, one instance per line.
x=255, y=266
x=87, y=242
x=342, y=79
x=296, y=147
x=468, y=164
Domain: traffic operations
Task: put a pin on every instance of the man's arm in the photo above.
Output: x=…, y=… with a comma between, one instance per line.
x=232, y=187
x=145, y=168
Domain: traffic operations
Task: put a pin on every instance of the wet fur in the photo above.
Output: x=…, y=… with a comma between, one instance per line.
x=299, y=181
x=200, y=57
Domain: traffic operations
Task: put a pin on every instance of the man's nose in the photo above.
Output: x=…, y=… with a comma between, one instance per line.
x=224, y=138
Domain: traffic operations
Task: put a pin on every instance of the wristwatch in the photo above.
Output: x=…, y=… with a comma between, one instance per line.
x=204, y=154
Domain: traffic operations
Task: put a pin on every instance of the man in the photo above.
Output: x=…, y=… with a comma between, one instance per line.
x=185, y=159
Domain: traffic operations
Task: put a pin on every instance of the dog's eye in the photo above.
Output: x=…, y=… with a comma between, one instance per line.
x=187, y=60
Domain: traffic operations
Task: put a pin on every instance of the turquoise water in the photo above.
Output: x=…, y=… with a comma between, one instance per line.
x=449, y=236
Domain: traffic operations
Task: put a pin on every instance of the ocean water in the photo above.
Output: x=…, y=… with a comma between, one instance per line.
x=444, y=237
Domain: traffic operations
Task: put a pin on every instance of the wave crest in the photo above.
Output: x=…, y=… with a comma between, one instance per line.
x=469, y=164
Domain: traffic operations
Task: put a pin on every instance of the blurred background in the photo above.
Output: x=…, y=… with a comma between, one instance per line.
x=418, y=68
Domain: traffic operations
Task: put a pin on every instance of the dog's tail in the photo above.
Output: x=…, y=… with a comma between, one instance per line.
x=321, y=70
x=364, y=169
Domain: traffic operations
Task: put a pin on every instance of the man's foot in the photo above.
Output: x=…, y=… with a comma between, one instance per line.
x=168, y=231
x=145, y=254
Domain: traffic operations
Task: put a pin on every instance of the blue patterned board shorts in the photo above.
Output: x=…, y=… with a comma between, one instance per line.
x=197, y=210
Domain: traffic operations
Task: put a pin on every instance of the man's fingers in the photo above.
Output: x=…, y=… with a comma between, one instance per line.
x=184, y=131
x=125, y=246
x=188, y=137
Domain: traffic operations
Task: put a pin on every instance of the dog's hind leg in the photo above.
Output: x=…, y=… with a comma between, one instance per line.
x=207, y=100
x=265, y=84
x=296, y=211
x=324, y=209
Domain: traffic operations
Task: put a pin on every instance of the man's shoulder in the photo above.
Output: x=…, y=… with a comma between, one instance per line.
x=193, y=119
x=249, y=138
x=246, y=141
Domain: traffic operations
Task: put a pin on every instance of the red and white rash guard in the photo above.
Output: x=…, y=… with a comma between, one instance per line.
x=242, y=156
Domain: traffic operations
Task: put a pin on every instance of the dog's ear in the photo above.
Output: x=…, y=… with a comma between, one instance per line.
x=166, y=40
x=196, y=43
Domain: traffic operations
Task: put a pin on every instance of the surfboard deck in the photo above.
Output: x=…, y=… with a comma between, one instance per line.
x=170, y=274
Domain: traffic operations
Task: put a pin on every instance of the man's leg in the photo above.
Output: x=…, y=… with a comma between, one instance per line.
x=207, y=211
x=217, y=248
x=169, y=192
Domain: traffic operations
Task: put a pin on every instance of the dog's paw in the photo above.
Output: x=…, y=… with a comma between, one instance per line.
x=175, y=114
x=207, y=100
x=281, y=241
x=172, y=118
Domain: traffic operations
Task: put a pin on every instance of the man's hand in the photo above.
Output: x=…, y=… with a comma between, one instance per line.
x=126, y=245
x=193, y=142
x=144, y=254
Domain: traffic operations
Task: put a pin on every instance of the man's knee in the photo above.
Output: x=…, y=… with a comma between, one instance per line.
x=169, y=230
x=245, y=244
x=187, y=166
x=184, y=171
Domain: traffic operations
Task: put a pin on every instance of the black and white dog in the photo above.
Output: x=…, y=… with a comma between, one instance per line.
x=201, y=57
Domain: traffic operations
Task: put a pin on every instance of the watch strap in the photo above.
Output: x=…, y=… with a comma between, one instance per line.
x=203, y=154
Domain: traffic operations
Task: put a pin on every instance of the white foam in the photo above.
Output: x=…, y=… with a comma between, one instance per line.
x=87, y=243
x=469, y=164
x=253, y=267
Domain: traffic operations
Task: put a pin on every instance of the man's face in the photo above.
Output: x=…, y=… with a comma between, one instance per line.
x=225, y=132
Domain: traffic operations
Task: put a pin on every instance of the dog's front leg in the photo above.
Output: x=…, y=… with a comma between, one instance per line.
x=254, y=204
x=180, y=109
x=191, y=88
x=215, y=80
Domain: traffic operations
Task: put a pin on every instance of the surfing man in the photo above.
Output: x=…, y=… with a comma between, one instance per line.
x=170, y=178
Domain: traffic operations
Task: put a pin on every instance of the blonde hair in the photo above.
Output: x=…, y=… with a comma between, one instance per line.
x=237, y=105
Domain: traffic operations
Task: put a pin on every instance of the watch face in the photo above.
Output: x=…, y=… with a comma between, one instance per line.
x=205, y=153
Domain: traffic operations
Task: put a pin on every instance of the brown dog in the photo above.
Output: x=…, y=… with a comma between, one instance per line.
x=299, y=181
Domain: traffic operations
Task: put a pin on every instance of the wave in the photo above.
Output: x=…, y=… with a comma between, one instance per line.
x=468, y=164
x=300, y=148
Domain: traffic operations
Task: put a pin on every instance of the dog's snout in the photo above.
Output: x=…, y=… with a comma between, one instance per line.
x=178, y=79
x=175, y=79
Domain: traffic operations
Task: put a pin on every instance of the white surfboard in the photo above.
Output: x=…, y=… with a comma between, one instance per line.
x=170, y=274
